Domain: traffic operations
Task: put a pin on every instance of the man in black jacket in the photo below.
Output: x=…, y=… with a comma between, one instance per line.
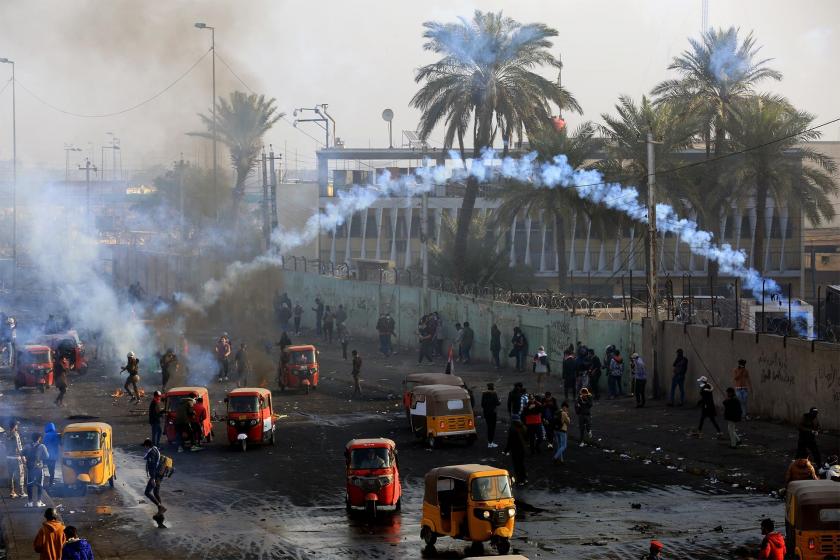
x=489, y=402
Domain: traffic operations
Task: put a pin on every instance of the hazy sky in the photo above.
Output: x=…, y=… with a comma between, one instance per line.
x=98, y=56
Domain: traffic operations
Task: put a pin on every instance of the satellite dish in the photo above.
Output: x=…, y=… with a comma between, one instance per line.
x=387, y=115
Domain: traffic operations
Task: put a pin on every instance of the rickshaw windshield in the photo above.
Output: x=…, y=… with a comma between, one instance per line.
x=824, y=517
x=488, y=488
x=29, y=358
x=301, y=357
x=370, y=458
x=81, y=441
x=248, y=403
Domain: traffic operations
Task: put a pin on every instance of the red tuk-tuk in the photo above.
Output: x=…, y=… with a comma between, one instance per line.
x=173, y=397
x=299, y=367
x=373, y=479
x=70, y=345
x=412, y=380
x=34, y=367
x=250, y=416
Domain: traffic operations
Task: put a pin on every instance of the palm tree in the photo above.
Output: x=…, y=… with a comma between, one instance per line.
x=241, y=123
x=715, y=73
x=486, y=77
x=779, y=163
x=554, y=204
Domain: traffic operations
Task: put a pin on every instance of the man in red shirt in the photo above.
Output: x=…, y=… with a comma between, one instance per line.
x=200, y=417
x=773, y=544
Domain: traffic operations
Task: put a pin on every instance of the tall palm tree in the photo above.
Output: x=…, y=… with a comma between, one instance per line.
x=554, y=204
x=779, y=163
x=715, y=72
x=486, y=77
x=241, y=122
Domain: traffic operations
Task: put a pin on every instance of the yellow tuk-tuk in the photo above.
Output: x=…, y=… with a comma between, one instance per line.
x=88, y=455
x=441, y=411
x=812, y=519
x=468, y=502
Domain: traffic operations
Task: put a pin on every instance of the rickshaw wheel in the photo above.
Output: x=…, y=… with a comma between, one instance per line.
x=271, y=441
x=428, y=537
x=347, y=507
x=476, y=548
x=370, y=509
x=503, y=546
x=244, y=444
x=111, y=481
x=431, y=442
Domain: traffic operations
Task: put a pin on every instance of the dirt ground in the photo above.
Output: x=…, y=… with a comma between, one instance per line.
x=645, y=478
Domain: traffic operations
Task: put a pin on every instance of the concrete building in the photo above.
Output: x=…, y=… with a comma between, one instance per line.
x=821, y=259
x=390, y=230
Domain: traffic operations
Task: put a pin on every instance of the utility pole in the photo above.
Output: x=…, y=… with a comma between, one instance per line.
x=272, y=195
x=87, y=168
x=424, y=250
x=652, y=272
x=266, y=226
x=67, y=149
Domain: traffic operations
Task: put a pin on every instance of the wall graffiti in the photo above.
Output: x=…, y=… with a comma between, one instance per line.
x=774, y=369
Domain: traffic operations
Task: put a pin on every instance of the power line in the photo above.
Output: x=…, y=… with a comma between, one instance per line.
x=9, y=81
x=121, y=111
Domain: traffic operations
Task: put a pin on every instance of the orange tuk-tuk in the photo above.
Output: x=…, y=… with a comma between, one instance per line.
x=172, y=400
x=373, y=479
x=70, y=345
x=250, y=416
x=299, y=367
x=412, y=380
x=34, y=367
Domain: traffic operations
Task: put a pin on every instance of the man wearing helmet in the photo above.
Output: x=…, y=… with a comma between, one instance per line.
x=132, y=367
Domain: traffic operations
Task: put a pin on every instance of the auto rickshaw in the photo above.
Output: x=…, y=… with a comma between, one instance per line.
x=173, y=397
x=373, y=478
x=441, y=411
x=34, y=367
x=468, y=502
x=88, y=455
x=299, y=368
x=812, y=519
x=250, y=416
x=70, y=345
x=412, y=380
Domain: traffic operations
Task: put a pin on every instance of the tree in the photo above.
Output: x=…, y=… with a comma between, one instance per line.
x=554, y=204
x=715, y=73
x=486, y=77
x=778, y=163
x=241, y=123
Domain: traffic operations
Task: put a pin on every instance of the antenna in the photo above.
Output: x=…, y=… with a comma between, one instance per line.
x=388, y=116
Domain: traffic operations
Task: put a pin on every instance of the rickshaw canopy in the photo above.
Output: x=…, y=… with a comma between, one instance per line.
x=456, y=472
x=443, y=400
x=434, y=379
x=371, y=442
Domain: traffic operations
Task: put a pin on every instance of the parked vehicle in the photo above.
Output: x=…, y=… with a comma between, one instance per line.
x=412, y=380
x=373, y=478
x=299, y=368
x=88, y=455
x=35, y=367
x=812, y=519
x=173, y=397
x=70, y=345
x=468, y=502
x=250, y=417
x=440, y=412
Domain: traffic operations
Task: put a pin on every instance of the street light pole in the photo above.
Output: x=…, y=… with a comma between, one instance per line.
x=14, y=175
x=201, y=25
x=653, y=271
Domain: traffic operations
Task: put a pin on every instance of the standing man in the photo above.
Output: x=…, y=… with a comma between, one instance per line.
x=640, y=378
x=357, y=371
x=516, y=449
x=424, y=338
x=340, y=316
x=297, y=313
x=496, y=345
x=583, y=408
x=52, y=441
x=328, y=322
x=616, y=371
x=459, y=335
x=516, y=401
x=467, y=339
x=439, y=333
x=489, y=403
x=343, y=339
x=155, y=414
x=569, y=374
x=707, y=405
x=561, y=429
x=678, y=380
x=168, y=367
x=223, y=351
x=382, y=328
x=132, y=368
x=732, y=415
x=242, y=365
x=319, y=314
x=809, y=427
x=62, y=366
x=50, y=538
x=155, y=470
x=773, y=544
x=36, y=455
x=15, y=463
x=594, y=374
x=520, y=347
x=743, y=384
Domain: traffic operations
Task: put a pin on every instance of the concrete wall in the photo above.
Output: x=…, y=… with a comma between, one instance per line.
x=789, y=376
x=364, y=302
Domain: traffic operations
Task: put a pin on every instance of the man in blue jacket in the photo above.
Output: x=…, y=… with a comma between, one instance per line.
x=53, y=441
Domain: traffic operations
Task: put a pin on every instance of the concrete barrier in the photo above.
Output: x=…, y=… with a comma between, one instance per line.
x=788, y=375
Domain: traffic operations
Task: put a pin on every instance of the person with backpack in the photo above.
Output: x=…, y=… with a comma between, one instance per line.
x=158, y=467
x=36, y=455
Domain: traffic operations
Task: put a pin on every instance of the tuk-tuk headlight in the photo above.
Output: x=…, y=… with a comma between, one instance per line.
x=356, y=481
x=511, y=512
x=485, y=514
x=254, y=422
x=232, y=422
x=385, y=480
